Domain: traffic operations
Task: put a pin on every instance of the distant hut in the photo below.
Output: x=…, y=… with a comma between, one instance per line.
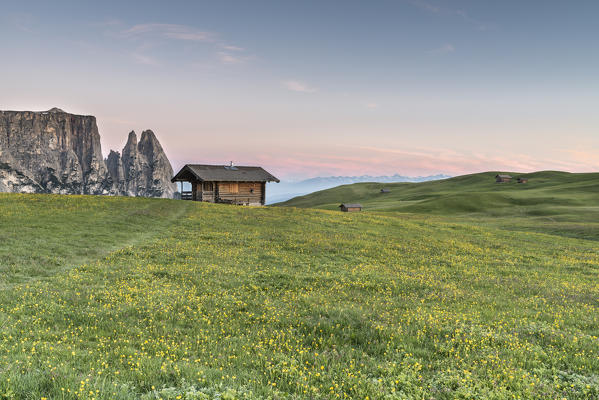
x=502, y=178
x=522, y=180
x=347, y=207
x=385, y=190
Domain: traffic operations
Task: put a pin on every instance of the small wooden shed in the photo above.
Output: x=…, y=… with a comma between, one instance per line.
x=383, y=190
x=225, y=183
x=522, y=180
x=350, y=207
x=502, y=178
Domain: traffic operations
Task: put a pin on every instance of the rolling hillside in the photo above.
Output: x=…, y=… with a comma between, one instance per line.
x=131, y=298
x=560, y=195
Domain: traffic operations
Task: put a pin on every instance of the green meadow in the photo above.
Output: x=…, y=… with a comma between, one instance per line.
x=547, y=193
x=457, y=289
x=556, y=202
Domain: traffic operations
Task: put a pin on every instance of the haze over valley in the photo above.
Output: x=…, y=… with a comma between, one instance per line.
x=286, y=190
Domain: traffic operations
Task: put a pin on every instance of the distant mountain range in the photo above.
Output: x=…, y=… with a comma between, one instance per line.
x=286, y=190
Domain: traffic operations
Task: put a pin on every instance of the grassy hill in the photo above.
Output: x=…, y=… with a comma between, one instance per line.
x=128, y=298
x=548, y=193
x=43, y=235
x=559, y=203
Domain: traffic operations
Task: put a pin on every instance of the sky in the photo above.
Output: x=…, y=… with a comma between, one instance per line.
x=318, y=88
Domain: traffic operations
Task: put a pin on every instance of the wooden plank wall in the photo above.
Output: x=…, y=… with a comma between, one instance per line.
x=236, y=192
x=241, y=192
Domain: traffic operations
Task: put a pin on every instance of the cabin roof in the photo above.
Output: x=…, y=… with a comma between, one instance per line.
x=351, y=205
x=503, y=176
x=223, y=173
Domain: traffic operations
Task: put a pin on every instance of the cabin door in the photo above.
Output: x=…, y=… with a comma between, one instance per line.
x=208, y=191
x=196, y=192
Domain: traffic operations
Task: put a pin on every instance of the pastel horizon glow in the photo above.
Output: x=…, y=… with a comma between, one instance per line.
x=319, y=88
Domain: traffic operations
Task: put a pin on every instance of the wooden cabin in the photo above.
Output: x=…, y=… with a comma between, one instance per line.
x=224, y=183
x=522, y=180
x=502, y=178
x=346, y=207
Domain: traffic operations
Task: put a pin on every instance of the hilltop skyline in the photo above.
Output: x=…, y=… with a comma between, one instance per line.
x=320, y=89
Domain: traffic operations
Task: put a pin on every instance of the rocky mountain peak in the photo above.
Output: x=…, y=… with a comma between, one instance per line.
x=148, y=135
x=148, y=143
x=131, y=145
x=57, y=152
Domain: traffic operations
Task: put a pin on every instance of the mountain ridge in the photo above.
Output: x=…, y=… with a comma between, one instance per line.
x=289, y=189
x=379, y=178
x=58, y=152
x=547, y=194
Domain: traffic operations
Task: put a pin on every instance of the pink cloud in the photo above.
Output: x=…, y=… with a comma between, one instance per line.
x=371, y=160
x=171, y=31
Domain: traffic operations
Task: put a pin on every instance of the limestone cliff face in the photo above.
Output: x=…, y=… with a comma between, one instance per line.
x=131, y=163
x=116, y=172
x=51, y=152
x=58, y=152
x=143, y=169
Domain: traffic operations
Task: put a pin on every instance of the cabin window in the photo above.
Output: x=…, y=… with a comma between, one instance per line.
x=208, y=187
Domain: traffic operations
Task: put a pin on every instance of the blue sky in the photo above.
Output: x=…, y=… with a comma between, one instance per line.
x=320, y=88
